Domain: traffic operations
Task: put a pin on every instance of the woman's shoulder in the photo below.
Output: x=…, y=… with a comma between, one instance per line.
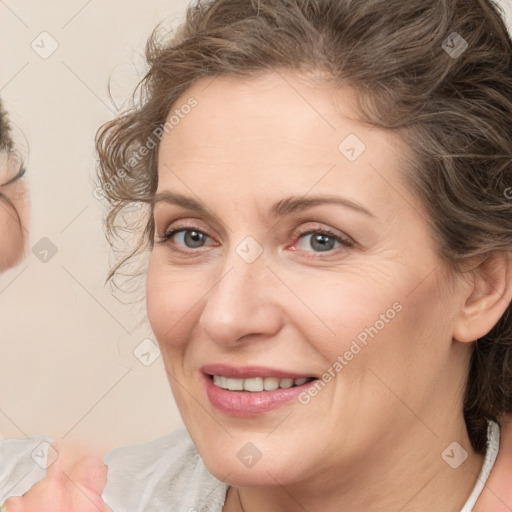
x=22, y=464
x=164, y=474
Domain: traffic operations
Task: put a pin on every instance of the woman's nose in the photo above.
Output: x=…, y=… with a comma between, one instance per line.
x=244, y=303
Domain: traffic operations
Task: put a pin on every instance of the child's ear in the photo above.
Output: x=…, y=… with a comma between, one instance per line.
x=489, y=293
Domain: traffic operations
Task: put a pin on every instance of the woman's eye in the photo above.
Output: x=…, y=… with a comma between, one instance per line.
x=317, y=240
x=190, y=238
x=321, y=241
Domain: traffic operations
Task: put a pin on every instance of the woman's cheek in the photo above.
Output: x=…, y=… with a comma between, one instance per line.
x=170, y=305
x=344, y=311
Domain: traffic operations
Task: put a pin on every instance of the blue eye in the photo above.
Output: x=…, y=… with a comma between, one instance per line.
x=323, y=240
x=191, y=238
x=184, y=240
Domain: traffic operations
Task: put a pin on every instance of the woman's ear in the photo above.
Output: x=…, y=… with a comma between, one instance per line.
x=489, y=293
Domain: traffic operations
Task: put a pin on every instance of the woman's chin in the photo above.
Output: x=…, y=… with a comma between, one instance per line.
x=249, y=467
x=239, y=476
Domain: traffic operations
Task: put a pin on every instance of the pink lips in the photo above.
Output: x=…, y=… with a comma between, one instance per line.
x=247, y=403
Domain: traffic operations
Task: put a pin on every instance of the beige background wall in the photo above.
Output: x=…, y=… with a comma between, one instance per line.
x=67, y=366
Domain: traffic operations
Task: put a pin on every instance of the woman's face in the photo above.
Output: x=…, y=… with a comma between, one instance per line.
x=12, y=234
x=299, y=253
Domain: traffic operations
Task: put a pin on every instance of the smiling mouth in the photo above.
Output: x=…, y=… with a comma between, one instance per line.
x=257, y=384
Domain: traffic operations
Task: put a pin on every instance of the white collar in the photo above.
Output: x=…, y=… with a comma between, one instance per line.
x=493, y=445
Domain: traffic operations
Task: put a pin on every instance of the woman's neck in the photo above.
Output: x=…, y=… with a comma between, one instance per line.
x=419, y=475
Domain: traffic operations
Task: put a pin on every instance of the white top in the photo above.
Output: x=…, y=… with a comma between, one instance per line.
x=22, y=464
x=493, y=445
x=168, y=474
x=159, y=476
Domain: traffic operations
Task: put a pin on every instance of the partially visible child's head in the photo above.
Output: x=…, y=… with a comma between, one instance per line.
x=13, y=199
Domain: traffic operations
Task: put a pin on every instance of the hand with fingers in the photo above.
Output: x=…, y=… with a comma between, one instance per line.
x=78, y=490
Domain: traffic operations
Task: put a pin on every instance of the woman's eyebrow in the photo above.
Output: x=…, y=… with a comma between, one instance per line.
x=180, y=200
x=295, y=204
x=281, y=208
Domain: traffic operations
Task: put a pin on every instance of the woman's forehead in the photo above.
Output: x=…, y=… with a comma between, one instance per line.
x=265, y=106
x=277, y=138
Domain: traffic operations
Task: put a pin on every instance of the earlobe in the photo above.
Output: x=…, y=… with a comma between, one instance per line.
x=489, y=295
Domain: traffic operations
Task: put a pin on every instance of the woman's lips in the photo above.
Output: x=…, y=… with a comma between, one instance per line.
x=250, y=403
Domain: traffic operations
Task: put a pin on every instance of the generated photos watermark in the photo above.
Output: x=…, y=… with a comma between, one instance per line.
x=356, y=346
x=177, y=115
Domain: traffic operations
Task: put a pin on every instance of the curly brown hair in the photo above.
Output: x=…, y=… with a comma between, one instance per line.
x=439, y=72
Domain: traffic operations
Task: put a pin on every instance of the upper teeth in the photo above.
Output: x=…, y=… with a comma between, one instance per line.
x=256, y=383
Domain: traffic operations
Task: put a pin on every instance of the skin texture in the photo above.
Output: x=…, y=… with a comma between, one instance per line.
x=13, y=236
x=372, y=439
